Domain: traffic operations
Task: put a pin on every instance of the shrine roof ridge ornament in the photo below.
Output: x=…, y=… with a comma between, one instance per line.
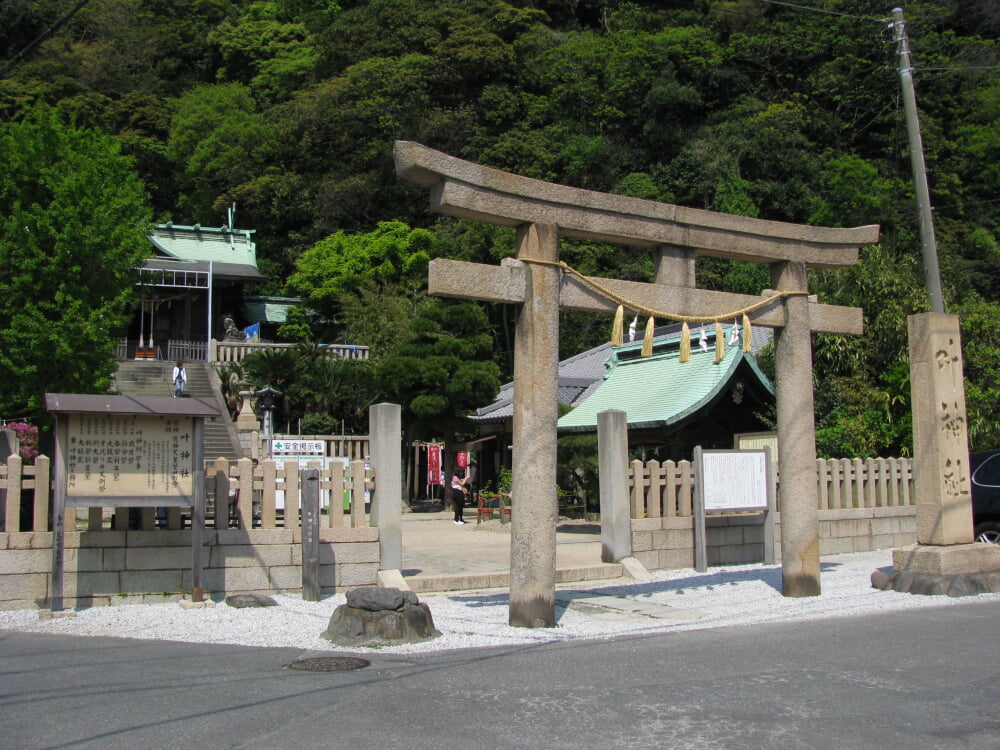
x=467, y=190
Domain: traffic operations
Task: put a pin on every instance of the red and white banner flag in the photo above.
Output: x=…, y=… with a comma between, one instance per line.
x=434, y=465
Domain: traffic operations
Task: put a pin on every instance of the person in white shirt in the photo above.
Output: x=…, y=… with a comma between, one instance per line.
x=180, y=378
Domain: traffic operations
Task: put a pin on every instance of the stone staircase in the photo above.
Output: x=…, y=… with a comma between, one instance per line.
x=153, y=379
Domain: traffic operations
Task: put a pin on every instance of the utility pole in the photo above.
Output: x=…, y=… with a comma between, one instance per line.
x=927, y=242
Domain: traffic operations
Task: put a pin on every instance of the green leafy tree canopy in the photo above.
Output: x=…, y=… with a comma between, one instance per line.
x=73, y=227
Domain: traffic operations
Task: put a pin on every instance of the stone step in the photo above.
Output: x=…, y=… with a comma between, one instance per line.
x=153, y=379
x=474, y=581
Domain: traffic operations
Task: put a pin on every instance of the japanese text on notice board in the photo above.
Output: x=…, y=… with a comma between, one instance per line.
x=129, y=455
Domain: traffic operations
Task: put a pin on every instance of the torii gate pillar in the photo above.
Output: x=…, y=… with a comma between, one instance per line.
x=796, y=437
x=536, y=411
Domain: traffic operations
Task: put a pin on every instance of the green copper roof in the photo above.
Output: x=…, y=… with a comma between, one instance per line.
x=660, y=391
x=216, y=244
x=269, y=309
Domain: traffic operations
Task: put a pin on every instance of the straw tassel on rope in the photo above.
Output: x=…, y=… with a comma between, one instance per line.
x=747, y=334
x=618, y=327
x=720, y=342
x=647, y=339
x=685, y=354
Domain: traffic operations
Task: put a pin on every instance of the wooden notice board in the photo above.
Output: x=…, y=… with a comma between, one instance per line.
x=124, y=451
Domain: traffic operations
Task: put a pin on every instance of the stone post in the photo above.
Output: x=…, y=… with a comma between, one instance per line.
x=945, y=550
x=534, y=505
x=384, y=424
x=941, y=481
x=616, y=515
x=675, y=266
x=798, y=493
x=311, y=587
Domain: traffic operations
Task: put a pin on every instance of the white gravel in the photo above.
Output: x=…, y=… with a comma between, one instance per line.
x=677, y=600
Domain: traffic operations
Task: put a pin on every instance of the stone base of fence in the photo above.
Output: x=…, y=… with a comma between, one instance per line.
x=668, y=543
x=129, y=567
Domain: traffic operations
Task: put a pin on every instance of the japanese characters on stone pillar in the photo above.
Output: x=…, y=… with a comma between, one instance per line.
x=940, y=442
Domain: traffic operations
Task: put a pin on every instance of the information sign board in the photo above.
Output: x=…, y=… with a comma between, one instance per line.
x=289, y=448
x=734, y=480
x=112, y=456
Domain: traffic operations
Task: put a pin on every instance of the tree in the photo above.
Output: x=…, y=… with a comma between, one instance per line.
x=73, y=227
x=345, y=272
x=444, y=371
x=217, y=140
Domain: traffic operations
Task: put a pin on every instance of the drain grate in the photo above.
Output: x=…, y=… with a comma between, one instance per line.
x=329, y=664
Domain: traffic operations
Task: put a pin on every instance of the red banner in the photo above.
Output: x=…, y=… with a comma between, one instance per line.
x=462, y=459
x=434, y=465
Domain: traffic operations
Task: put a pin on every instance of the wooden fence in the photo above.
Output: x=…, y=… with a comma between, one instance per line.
x=241, y=486
x=667, y=489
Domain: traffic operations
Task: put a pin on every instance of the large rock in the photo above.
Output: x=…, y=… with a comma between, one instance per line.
x=377, y=616
x=963, y=584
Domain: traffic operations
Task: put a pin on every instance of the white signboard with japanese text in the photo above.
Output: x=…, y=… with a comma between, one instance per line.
x=733, y=481
x=295, y=448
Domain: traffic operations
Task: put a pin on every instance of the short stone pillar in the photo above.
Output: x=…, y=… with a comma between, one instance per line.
x=385, y=425
x=616, y=516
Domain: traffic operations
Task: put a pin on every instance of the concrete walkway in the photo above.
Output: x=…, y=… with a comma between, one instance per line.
x=441, y=556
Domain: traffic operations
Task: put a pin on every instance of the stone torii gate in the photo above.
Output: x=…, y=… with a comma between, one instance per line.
x=542, y=212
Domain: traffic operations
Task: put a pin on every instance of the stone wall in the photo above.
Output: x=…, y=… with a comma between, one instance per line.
x=129, y=567
x=668, y=543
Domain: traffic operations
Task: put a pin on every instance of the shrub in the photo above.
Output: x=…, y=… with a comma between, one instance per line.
x=28, y=436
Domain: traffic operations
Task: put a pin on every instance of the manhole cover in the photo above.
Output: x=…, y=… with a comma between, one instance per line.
x=329, y=664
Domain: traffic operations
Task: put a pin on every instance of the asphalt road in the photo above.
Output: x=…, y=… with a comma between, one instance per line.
x=924, y=678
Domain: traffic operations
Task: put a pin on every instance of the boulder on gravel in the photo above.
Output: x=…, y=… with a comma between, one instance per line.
x=380, y=616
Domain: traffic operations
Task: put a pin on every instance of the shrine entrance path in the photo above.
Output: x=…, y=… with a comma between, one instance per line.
x=440, y=556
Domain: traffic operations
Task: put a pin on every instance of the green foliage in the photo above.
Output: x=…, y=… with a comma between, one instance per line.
x=296, y=326
x=217, y=139
x=981, y=353
x=290, y=108
x=444, y=369
x=344, y=273
x=73, y=226
x=317, y=385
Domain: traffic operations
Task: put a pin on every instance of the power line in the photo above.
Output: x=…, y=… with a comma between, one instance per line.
x=963, y=67
x=42, y=37
x=822, y=10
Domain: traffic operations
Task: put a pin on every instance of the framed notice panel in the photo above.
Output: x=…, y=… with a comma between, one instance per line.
x=123, y=451
x=733, y=481
x=130, y=459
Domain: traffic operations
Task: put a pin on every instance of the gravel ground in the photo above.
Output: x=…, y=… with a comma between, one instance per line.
x=676, y=600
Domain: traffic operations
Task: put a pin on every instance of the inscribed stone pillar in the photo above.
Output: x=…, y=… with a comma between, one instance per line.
x=616, y=515
x=536, y=382
x=940, y=443
x=384, y=424
x=798, y=493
